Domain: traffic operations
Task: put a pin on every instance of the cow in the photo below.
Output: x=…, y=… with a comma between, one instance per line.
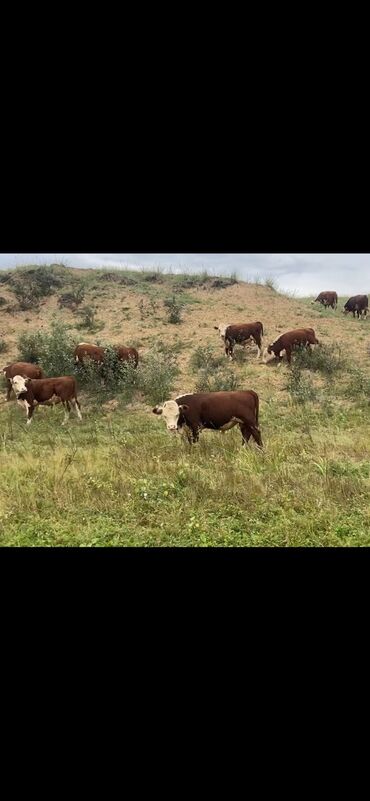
x=358, y=304
x=31, y=392
x=289, y=341
x=240, y=333
x=218, y=411
x=97, y=354
x=25, y=369
x=327, y=299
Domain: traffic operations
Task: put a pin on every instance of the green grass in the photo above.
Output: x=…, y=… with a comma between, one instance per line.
x=121, y=479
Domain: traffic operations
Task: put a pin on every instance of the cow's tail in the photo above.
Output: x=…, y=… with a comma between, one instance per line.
x=262, y=329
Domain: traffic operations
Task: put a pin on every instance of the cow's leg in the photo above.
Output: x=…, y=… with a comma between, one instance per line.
x=258, y=342
x=279, y=358
x=76, y=407
x=30, y=409
x=67, y=411
x=288, y=352
x=195, y=432
x=249, y=430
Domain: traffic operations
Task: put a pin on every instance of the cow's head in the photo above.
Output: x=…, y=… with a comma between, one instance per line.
x=221, y=329
x=345, y=311
x=267, y=352
x=171, y=412
x=19, y=384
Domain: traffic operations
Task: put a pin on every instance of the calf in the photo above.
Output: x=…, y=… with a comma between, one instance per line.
x=97, y=354
x=218, y=411
x=358, y=304
x=46, y=391
x=289, y=341
x=240, y=333
x=24, y=369
x=327, y=299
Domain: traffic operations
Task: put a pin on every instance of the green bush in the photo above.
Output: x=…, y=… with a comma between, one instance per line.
x=156, y=375
x=358, y=385
x=70, y=300
x=210, y=380
x=325, y=359
x=299, y=387
x=111, y=378
x=173, y=310
x=29, y=286
x=53, y=351
x=89, y=321
x=204, y=358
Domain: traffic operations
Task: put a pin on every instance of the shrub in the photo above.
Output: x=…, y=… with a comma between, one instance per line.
x=111, y=378
x=323, y=358
x=3, y=301
x=174, y=310
x=89, y=320
x=300, y=388
x=205, y=358
x=358, y=385
x=71, y=300
x=156, y=375
x=210, y=380
x=29, y=286
x=53, y=351
x=271, y=283
x=3, y=346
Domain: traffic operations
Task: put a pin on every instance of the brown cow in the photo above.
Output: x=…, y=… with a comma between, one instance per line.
x=24, y=369
x=31, y=392
x=327, y=299
x=358, y=304
x=97, y=354
x=289, y=341
x=240, y=333
x=218, y=411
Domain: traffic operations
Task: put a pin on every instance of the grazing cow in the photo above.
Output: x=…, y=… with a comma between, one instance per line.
x=240, y=333
x=97, y=354
x=327, y=299
x=31, y=392
x=24, y=369
x=358, y=304
x=218, y=411
x=290, y=340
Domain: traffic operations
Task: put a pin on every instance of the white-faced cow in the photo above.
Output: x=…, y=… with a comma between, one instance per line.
x=327, y=299
x=239, y=334
x=218, y=411
x=25, y=369
x=289, y=341
x=358, y=304
x=96, y=353
x=30, y=392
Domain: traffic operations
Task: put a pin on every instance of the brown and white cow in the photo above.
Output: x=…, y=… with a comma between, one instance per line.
x=30, y=392
x=358, y=304
x=25, y=369
x=289, y=341
x=327, y=299
x=97, y=353
x=239, y=334
x=218, y=411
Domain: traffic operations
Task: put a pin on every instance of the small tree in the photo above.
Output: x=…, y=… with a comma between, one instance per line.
x=173, y=310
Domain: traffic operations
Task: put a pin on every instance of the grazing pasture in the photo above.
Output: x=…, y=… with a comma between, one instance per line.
x=119, y=478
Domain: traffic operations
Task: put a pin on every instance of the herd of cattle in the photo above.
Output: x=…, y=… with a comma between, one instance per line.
x=218, y=411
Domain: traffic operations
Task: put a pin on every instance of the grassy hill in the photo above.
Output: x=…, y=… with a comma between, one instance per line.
x=120, y=479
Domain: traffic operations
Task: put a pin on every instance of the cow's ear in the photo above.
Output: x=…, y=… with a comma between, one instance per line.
x=157, y=410
x=27, y=380
x=183, y=407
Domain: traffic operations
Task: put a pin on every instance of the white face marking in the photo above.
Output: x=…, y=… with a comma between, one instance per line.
x=222, y=329
x=171, y=414
x=19, y=384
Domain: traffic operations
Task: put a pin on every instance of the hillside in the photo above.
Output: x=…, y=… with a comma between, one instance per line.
x=119, y=478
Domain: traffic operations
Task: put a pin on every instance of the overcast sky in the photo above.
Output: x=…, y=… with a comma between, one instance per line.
x=303, y=273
